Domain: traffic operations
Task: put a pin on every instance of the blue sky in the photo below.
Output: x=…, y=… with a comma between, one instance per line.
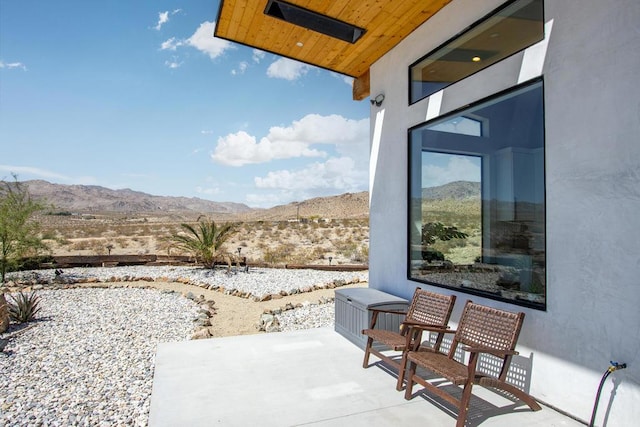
x=138, y=94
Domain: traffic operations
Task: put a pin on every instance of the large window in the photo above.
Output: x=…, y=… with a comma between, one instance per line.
x=510, y=29
x=477, y=199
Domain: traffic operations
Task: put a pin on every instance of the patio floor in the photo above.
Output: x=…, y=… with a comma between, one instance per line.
x=311, y=377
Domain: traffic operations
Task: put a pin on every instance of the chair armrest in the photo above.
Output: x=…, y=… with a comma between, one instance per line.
x=490, y=350
x=428, y=327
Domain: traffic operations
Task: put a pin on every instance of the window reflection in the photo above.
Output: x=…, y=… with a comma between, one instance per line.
x=506, y=31
x=477, y=215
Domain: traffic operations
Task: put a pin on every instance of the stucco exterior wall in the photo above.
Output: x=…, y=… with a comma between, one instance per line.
x=592, y=131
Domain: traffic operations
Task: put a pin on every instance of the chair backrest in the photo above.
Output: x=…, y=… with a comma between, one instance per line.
x=482, y=326
x=430, y=308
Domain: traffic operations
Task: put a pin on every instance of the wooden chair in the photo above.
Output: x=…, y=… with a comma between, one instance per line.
x=482, y=330
x=426, y=309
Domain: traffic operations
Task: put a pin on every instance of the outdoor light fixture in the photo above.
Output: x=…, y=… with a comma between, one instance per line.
x=239, y=249
x=330, y=258
x=377, y=101
x=314, y=21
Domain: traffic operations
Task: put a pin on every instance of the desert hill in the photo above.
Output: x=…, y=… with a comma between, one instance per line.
x=344, y=206
x=96, y=199
x=457, y=190
x=93, y=198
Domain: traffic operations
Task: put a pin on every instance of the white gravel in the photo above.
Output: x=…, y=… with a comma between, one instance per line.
x=89, y=358
x=258, y=282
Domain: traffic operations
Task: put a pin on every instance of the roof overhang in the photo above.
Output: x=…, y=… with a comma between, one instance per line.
x=300, y=30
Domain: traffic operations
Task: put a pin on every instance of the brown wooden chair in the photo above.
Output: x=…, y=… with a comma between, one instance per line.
x=426, y=309
x=482, y=330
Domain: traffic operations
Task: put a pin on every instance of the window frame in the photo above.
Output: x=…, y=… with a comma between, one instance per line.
x=457, y=112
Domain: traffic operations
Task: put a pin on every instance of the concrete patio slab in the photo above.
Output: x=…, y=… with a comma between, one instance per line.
x=311, y=377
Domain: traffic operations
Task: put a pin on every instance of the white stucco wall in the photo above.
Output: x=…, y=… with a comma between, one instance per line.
x=592, y=129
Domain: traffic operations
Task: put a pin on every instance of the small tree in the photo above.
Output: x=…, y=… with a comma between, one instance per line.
x=204, y=240
x=434, y=231
x=19, y=232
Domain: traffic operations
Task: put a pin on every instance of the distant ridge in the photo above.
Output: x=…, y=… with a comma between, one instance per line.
x=93, y=198
x=344, y=206
x=457, y=190
x=96, y=199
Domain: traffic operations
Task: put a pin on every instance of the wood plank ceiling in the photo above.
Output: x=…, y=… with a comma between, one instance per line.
x=386, y=23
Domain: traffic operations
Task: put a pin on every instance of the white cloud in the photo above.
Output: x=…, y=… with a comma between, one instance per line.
x=163, y=18
x=441, y=169
x=173, y=64
x=288, y=69
x=204, y=41
x=242, y=67
x=38, y=173
x=241, y=149
x=331, y=129
x=349, y=136
x=346, y=79
x=171, y=44
x=257, y=55
x=13, y=65
x=337, y=174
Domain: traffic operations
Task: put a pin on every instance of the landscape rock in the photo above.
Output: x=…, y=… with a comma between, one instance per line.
x=4, y=313
x=201, y=334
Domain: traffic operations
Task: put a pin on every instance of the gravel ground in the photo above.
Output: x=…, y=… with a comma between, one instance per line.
x=89, y=358
x=258, y=282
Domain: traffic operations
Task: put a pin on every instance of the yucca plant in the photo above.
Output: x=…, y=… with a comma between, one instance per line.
x=24, y=307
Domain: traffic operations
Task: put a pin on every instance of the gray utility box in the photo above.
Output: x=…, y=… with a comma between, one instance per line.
x=353, y=315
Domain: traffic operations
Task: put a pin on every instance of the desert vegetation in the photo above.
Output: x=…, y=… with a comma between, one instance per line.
x=465, y=216
x=302, y=240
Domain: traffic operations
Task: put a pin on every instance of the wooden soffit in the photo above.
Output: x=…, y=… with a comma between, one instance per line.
x=386, y=23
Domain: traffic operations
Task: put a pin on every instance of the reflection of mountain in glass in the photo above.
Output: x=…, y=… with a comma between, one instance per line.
x=458, y=190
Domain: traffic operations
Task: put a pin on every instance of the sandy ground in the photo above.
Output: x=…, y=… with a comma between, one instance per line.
x=235, y=315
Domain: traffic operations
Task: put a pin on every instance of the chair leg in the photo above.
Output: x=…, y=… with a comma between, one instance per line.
x=409, y=390
x=464, y=403
x=526, y=398
x=367, y=352
x=401, y=371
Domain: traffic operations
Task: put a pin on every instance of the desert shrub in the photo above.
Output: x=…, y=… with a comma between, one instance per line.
x=61, y=213
x=279, y=254
x=431, y=255
x=122, y=242
x=33, y=262
x=81, y=245
x=361, y=255
x=318, y=252
x=23, y=306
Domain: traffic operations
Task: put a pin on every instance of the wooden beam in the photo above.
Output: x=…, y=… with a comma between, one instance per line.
x=361, y=87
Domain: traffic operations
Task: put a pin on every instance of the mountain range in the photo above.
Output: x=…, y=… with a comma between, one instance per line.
x=93, y=198
x=96, y=199
x=457, y=190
